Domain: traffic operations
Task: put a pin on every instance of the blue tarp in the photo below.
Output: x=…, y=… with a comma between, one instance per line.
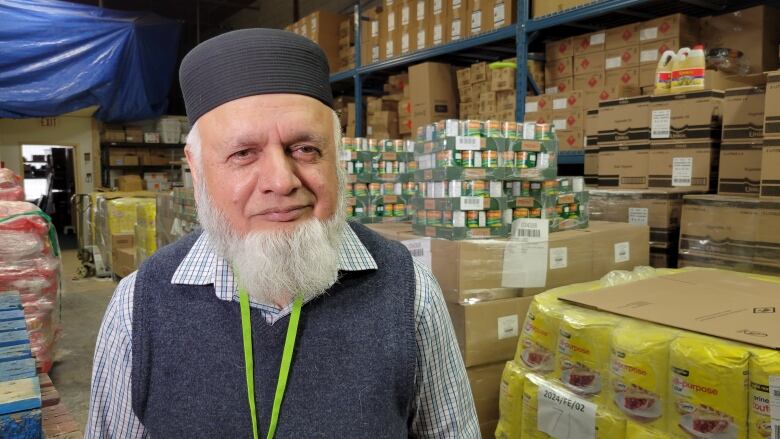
x=57, y=57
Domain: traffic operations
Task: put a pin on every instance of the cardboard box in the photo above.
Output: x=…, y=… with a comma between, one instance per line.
x=504, y=13
x=624, y=120
x=567, y=101
x=686, y=166
x=323, y=29
x=503, y=79
x=591, y=166
x=113, y=135
x=621, y=58
x=458, y=24
x=560, y=85
x=752, y=31
x=671, y=26
x=539, y=117
x=479, y=72
x=589, y=63
x=439, y=25
x=433, y=93
x=770, y=170
x=129, y=183
x=692, y=115
x=464, y=77
x=487, y=332
x=592, y=127
x=123, y=157
x=608, y=93
x=122, y=240
x=740, y=167
x=593, y=42
x=743, y=113
x=480, y=16
x=123, y=261
x=628, y=77
x=650, y=52
x=701, y=301
x=547, y=7
x=559, y=49
x=506, y=101
x=134, y=134
x=626, y=248
x=772, y=106
x=570, y=139
x=558, y=69
x=537, y=104
x=622, y=36
x=593, y=81
x=624, y=166
x=485, y=382
x=647, y=78
x=569, y=119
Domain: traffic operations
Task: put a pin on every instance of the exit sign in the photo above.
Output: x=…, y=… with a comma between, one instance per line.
x=48, y=121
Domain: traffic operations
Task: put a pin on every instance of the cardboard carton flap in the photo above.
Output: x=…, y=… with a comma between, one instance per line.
x=734, y=306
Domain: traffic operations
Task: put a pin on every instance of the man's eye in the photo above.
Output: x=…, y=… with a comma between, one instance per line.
x=242, y=154
x=307, y=150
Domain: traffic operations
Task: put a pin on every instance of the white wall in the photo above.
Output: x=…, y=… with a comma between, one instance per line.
x=76, y=129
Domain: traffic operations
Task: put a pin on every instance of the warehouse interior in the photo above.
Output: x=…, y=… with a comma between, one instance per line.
x=592, y=185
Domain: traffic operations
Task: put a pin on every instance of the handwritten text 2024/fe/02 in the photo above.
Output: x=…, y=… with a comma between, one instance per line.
x=564, y=401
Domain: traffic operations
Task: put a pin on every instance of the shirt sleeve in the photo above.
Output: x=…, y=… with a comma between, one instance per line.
x=110, y=406
x=444, y=406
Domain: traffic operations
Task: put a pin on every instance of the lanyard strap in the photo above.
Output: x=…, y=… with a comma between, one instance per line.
x=284, y=369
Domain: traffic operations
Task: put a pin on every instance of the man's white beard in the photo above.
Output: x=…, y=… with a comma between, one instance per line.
x=275, y=266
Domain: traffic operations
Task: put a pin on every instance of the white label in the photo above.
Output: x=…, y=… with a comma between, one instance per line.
x=622, y=252
x=648, y=55
x=405, y=15
x=374, y=29
x=597, y=39
x=482, y=219
x=420, y=38
x=507, y=326
x=458, y=218
x=455, y=30
x=456, y=4
x=437, y=34
x=661, y=123
x=405, y=43
x=437, y=7
x=578, y=184
x=468, y=143
x=420, y=249
x=345, y=156
x=560, y=104
x=531, y=107
x=529, y=130
x=391, y=21
x=543, y=160
x=563, y=415
x=637, y=215
x=682, y=171
x=525, y=254
x=389, y=49
x=551, y=90
x=613, y=63
x=559, y=124
x=369, y=130
x=774, y=404
x=420, y=10
x=559, y=258
x=476, y=21
x=496, y=189
x=375, y=54
x=472, y=203
x=648, y=33
x=499, y=15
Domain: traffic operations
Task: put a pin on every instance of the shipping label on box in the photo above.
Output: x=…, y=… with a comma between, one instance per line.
x=624, y=120
x=536, y=104
x=590, y=43
x=589, y=63
x=458, y=28
x=671, y=26
x=559, y=68
x=559, y=49
x=624, y=166
x=621, y=58
x=503, y=13
x=622, y=36
x=694, y=115
x=650, y=52
x=740, y=167
x=566, y=101
x=770, y=170
x=743, y=113
x=683, y=166
x=573, y=118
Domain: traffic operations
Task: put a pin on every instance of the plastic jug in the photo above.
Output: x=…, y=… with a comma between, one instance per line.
x=663, y=73
x=688, y=70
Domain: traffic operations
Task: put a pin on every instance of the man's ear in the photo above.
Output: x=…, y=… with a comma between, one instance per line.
x=193, y=166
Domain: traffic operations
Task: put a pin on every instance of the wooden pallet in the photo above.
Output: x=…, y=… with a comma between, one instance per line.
x=59, y=423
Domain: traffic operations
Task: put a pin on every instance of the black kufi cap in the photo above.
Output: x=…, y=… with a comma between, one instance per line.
x=252, y=62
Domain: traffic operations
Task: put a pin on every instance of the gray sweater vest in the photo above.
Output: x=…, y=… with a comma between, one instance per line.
x=353, y=370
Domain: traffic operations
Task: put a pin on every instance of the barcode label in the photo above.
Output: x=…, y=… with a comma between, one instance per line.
x=526, y=233
x=420, y=10
x=682, y=171
x=559, y=258
x=476, y=21
x=420, y=249
x=774, y=404
x=507, y=326
x=660, y=126
x=531, y=230
x=405, y=15
x=472, y=203
x=498, y=15
x=622, y=252
x=637, y=215
x=468, y=143
x=417, y=252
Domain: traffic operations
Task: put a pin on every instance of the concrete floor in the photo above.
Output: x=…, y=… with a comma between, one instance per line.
x=83, y=304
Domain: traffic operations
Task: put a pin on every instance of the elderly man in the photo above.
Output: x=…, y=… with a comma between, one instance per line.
x=280, y=317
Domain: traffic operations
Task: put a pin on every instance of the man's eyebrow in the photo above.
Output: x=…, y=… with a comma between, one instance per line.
x=305, y=137
x=241, y=140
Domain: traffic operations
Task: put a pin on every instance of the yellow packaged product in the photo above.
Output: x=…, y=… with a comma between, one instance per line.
x=536, y=346
x=510, y=402
x=709, y=388
x=635, y=430
x=763, y=364
x=639, y=369
x=583, y=352
x=609, y=425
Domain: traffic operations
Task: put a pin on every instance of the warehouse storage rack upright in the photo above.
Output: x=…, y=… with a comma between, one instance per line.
x=524, y=33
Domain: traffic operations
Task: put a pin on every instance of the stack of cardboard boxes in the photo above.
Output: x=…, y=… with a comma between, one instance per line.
x=324, y=29
x=389, y=116
x=432, y=93
x=346, y=44
x=486, y=93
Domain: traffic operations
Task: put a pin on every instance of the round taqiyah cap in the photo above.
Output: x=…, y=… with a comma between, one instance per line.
x=252, y=62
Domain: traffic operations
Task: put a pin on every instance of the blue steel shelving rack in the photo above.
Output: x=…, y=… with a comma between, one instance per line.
x=524, y=32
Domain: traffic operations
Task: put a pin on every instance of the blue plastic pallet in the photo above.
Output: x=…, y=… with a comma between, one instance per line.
x=13, y=325
x=14, y=338
x=17, y=352
x=7, y=315
x=20, y=395
x=17, y=369
x=22, y=425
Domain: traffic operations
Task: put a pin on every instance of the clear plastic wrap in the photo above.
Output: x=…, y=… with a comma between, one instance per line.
x=511, y=402
x=10, y=186
x=763, y=364
x=30, y=265
x=145, y=231
x=117, y=216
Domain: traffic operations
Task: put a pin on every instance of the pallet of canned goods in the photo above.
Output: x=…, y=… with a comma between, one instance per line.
x=562, y=200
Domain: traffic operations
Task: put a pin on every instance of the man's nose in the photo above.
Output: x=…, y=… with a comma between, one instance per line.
x=277, y=172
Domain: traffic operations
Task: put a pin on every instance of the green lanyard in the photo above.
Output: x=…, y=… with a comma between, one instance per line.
x=284, y=369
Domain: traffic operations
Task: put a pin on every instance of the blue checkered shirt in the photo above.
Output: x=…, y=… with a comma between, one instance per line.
x=443, y=406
